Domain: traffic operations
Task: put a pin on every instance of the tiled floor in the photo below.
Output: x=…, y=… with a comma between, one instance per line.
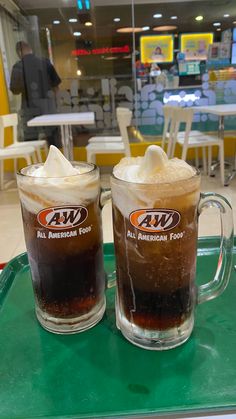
x=12, y=237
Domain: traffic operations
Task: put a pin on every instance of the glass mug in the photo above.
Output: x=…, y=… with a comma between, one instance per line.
x=62, y=226
x=155, y=237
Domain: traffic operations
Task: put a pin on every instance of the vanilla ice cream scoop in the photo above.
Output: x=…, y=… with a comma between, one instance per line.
x=154, y=161
x=56, y=165
x=154, y=167
x=57, y=182
x=152, y=180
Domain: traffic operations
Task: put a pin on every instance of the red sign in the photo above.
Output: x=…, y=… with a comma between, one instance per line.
x=101, y=51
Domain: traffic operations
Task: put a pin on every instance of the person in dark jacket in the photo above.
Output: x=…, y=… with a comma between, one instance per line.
x=36, y=79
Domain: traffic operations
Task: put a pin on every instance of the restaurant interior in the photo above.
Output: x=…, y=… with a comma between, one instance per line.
x=125, y=69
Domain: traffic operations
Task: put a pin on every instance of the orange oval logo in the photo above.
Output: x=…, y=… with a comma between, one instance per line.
x=62, y=218
x=155, y=220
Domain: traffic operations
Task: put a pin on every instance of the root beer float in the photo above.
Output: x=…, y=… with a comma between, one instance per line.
x=62, y=226
x=155, y=233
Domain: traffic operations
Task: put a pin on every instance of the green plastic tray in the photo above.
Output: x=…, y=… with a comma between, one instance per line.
x=98, y=373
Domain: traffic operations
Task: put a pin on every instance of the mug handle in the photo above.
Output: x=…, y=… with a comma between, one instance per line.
x=218, y=284
x=105, y=196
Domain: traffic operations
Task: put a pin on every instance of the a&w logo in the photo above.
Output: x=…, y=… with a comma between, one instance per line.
x=62, y=218
x=155, y=220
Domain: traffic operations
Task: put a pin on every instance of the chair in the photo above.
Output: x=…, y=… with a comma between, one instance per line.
x=168, y=112
x=185, y=115
x=110, y=139
x=25, y=152
x=11, y=120
x=124, y=120
x=105, y=139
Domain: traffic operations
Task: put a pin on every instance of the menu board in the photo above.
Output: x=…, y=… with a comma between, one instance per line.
x=189, y=68
x=226, y=36
x=233, y=57
x=219, y=51
x=157, y=49
x=214, y=50
x=195, y=46
x=234, y=35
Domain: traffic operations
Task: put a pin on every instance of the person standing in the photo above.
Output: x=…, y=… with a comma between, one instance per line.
x=36, y=79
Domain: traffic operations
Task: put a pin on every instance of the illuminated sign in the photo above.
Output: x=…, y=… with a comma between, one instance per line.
x=157, y=49
x=191, y=97
x=195, y=45
x=101, y=51
x=83, y=4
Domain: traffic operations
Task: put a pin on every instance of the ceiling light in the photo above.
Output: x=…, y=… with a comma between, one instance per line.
x=79, y=73
x=217, y=24
x=226, y=15
x=199, y=18
x=73, y=20
x=76, y=33
x=56, y=22
x=116, y=19
x=234, y=22
x=165, y=28
x=129, y=30
x=157, y=15
x=145, y=28
x=88, y=24
x=174, y=17
x=218, y=29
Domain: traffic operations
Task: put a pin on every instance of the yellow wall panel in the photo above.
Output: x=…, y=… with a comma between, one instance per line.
x=157, y=48
x=195, y=45
x=4, y=109
x=138, y=149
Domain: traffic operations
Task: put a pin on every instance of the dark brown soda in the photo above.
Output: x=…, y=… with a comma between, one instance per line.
x=156, y=278
x=155, y=310
x=67, y=273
